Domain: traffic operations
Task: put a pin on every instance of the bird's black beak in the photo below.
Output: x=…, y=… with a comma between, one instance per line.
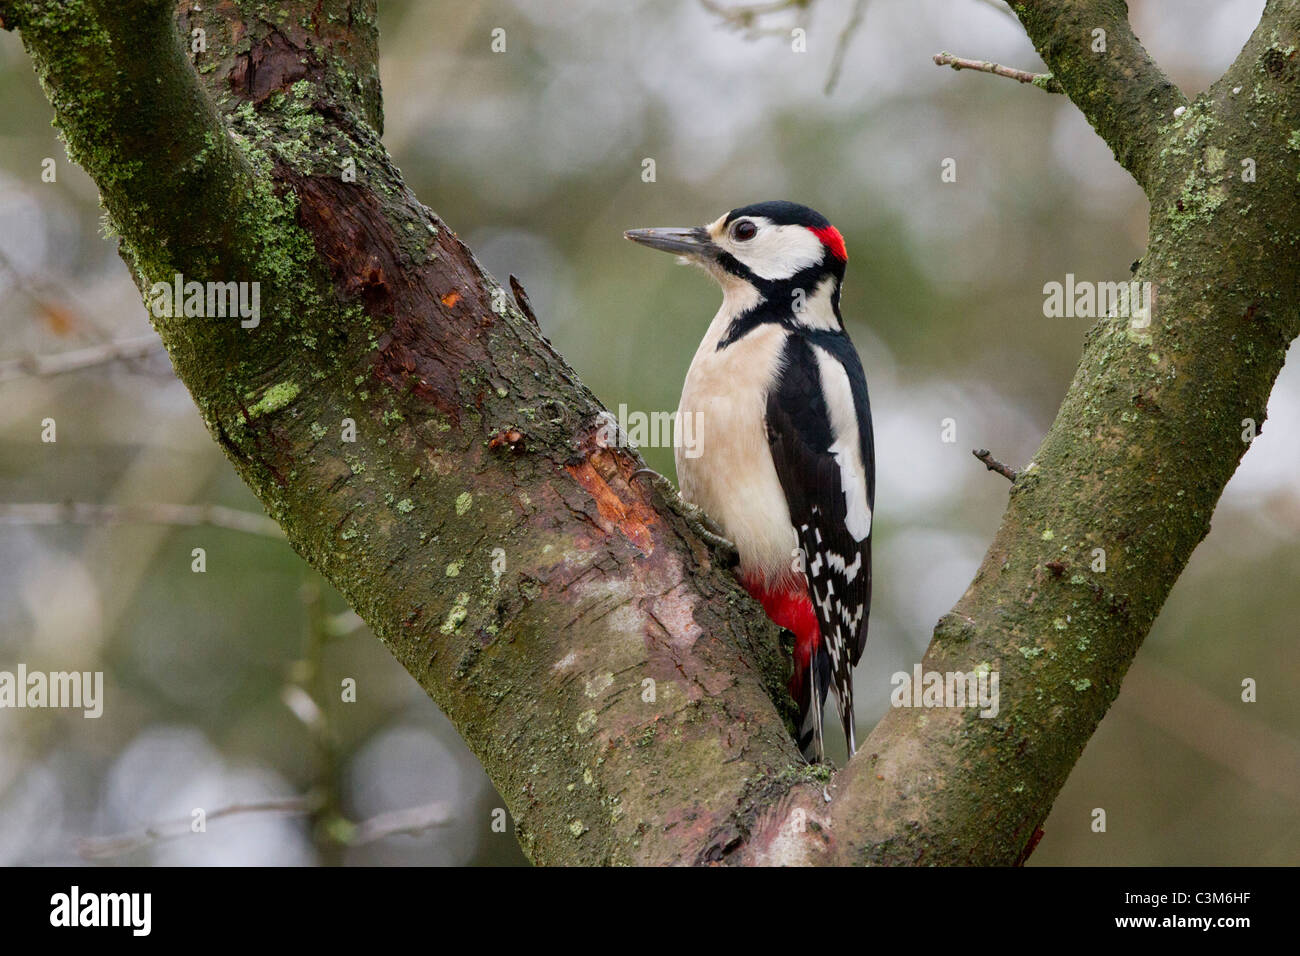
x=694, y=242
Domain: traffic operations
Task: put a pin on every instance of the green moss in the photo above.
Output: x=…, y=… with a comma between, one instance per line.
x=275, y=398
x=456, y=616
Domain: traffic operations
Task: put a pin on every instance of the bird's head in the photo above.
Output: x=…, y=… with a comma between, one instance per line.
x=769, y=248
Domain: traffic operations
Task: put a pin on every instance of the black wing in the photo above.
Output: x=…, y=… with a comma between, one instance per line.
x=801, y=433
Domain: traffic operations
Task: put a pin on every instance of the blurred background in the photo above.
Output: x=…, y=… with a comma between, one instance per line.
x=222, y=687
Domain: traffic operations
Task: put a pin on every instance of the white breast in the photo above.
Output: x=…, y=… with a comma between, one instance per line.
x=733, y=479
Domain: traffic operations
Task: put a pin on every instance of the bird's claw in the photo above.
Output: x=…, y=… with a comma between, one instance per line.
x=691, y=514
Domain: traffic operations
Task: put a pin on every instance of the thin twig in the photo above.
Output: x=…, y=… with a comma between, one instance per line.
x=744, y=14
x=102, y=848
x=842, y=44
x=992, y=464
x=306, y=697
x=1044, y=81
x=413, y=820
x=58, y=363
x=747, y=16
x=88, y=513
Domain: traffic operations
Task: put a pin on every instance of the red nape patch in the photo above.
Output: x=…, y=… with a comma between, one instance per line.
x=832, y=240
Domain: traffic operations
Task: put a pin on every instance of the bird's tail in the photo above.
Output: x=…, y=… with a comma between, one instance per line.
x=791, y=609
x=809, y=686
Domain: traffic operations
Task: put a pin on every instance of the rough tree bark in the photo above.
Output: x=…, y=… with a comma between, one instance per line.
x=473, y=435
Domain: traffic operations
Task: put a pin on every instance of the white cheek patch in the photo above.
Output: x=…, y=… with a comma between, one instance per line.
x=776, y=252
x=847, y=447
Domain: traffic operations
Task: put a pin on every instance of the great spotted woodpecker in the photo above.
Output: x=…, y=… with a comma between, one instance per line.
x=786, y=464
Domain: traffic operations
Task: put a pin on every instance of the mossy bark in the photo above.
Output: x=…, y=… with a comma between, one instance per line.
x=622, y=692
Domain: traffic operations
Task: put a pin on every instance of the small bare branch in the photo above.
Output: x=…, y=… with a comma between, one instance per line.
x=413, y=820
x=992, y=464
x=1098, y=62
x=61, y=362
x=88, y=513
x=842, y=44
x=1044, y=81
x=749, y=17
x=104, y=848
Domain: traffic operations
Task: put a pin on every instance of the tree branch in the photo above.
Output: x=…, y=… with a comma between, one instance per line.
x=409, y=821
x=750, y=16
x=842, y=45
x=1099, y=63
x=1152, y=416
x=75, y=360
x=120, y=844
x=86, y=513
x=1044, y=81
x=564, y=617
x=992, y=464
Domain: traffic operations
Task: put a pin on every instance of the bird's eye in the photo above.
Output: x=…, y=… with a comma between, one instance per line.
x=744, y=230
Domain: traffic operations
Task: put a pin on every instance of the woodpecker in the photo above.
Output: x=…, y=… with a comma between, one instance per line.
x=786, y=465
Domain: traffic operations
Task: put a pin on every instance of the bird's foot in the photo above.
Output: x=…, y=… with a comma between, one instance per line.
x=697, y=519
x=694, y=517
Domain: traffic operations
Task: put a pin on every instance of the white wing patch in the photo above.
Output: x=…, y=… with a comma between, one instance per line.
x=847, y=447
